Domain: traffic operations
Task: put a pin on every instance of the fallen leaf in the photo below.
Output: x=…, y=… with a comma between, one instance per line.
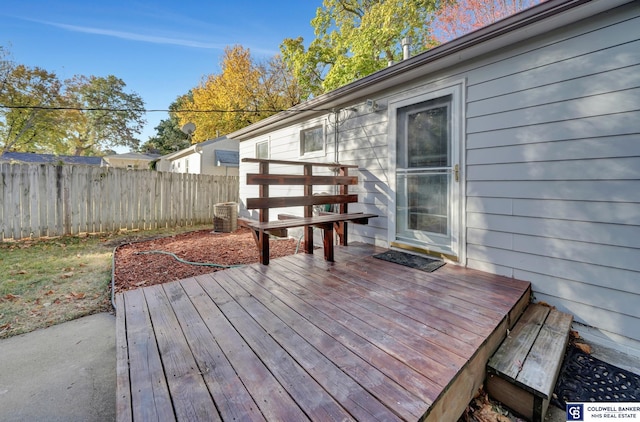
x=49, y=293
x=574, y=334
x=5, y=327
x=487, y=414
x=22, y=272
x=77, y=295
x=67, y=275
x=585, y=348
x=12, y=297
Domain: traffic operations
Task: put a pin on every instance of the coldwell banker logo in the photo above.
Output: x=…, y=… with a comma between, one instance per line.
x=575, y=412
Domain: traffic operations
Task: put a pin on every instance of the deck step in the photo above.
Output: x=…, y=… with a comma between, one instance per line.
x=523, y=371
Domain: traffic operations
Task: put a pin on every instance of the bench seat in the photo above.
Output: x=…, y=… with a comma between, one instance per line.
x=326, y=222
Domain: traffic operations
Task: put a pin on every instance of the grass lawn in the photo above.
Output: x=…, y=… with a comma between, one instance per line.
x=46, y=282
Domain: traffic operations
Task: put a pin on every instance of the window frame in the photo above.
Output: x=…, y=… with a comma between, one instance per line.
x=261, y=143
x=303, y=132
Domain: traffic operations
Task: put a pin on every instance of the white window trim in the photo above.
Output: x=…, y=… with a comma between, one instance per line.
x=457, y=90
x=268, y=142
x=320, y=152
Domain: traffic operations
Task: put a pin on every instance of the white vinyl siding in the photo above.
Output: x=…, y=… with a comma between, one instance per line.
x=553, y=169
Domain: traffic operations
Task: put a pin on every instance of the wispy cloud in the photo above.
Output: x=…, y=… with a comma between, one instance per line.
x=135, y=36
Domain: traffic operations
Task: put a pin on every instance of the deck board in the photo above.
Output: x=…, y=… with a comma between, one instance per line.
x=303, y=339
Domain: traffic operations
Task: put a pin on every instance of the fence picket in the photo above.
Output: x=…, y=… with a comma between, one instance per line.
x=41, y=200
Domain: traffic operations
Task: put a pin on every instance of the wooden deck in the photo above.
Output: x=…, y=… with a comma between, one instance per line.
x=303, y=339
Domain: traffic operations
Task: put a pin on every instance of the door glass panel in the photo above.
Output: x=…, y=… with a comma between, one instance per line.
x=423, y=135
x=427, y=138
x=424, y=204
x=424, y=172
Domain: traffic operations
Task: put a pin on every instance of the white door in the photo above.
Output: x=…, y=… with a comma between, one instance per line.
x=427, y=176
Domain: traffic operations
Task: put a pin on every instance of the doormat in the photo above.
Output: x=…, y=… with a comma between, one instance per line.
x=408, y=260
x=584, y=378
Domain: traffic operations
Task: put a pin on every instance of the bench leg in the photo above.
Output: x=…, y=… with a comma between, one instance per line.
x=262, y=241
x=328, y=242
x=308, y=239
x=264, y=248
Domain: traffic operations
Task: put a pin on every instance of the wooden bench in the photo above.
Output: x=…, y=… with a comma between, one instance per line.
x=523, y=371
x=329, y=222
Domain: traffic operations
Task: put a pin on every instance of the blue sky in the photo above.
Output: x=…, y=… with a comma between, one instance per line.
x=161, y=49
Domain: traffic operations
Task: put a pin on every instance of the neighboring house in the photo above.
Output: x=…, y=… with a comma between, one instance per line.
x=131, y=160
x=514, y=149
x=33, y=158
x=218, y=157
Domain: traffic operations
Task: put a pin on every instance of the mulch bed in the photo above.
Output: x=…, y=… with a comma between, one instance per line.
x=133, y=270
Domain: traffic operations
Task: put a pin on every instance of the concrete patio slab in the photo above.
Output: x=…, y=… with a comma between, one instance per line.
x=61, y=373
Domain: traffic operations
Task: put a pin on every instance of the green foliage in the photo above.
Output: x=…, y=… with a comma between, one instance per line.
x=104, y=115
x=355, y=38
x=83, y=116
x=28, y=127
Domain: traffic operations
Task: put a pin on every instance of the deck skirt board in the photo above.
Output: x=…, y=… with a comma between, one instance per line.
x=303, y=339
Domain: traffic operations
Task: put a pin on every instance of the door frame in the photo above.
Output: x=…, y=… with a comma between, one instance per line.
x=457, y=91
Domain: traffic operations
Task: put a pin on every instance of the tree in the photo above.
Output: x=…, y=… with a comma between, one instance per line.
x=355, y=38
x=243, y=93
x=103, y=114
x=457, y=18
x=169, y=138
x=25, y=122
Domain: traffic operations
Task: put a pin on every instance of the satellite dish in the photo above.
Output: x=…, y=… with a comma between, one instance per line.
x=188, y=129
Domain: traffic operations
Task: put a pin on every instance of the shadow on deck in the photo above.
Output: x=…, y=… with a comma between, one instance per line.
x=303, y=339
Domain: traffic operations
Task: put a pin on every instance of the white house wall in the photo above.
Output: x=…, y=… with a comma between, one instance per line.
x=189, y=163
x=209, y=166
x=552, y=165
x=553, y=162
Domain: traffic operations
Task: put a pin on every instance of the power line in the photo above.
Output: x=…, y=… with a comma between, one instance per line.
x=144, y=110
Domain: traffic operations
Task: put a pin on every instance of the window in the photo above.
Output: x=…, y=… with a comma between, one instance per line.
x=262, y=149
x=311, y=140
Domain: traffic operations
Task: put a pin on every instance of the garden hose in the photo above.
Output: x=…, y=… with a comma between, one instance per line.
x=205, y=264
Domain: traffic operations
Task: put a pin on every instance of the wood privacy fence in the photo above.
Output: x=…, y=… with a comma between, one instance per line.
x=39, y=200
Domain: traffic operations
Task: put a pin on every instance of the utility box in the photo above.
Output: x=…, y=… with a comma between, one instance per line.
x=225, y=217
